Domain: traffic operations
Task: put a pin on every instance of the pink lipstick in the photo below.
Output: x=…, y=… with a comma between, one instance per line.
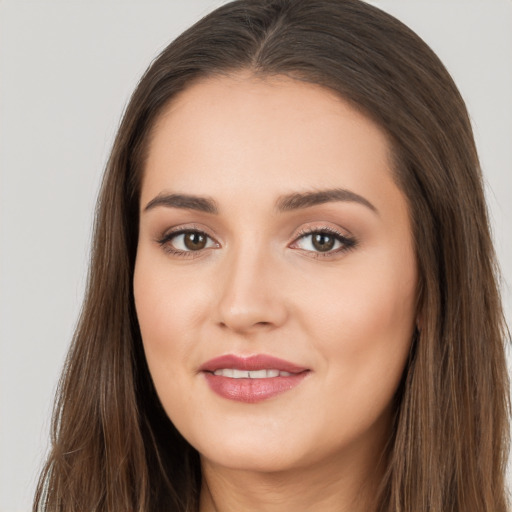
x=251, y=379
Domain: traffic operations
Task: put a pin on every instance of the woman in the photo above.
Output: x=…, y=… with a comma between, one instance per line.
x=292, y=302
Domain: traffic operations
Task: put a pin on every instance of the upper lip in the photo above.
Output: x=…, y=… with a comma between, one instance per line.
x=250, y=363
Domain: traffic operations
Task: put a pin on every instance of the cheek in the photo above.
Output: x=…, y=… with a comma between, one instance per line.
x=165, y=313
x=166, y=305
x=363, y=326
x=166, y=308
x=360, y=301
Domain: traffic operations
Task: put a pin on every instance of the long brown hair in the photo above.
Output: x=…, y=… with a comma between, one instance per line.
x=114, y=448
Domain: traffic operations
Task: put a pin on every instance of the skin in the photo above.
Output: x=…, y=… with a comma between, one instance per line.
x=260, y=287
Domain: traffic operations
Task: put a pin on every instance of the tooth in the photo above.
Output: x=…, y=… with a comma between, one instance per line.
x=258, y=374
x=253, y=374
x=240, y=374
x=224, y=372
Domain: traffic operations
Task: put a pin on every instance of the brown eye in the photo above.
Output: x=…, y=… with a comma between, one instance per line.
x=186, y=241
x=194, y=241
x=323, y=242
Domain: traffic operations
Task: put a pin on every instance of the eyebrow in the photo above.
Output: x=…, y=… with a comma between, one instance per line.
x=290, y=202
x=184, y=201
x=307, y=199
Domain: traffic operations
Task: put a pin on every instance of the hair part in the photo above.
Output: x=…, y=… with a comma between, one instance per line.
x=114, y=448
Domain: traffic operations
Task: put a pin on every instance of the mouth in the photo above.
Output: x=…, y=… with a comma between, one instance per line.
x=233, y=373
x=251, y=379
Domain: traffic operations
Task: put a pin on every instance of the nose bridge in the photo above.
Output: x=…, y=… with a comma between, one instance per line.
x=249, y=294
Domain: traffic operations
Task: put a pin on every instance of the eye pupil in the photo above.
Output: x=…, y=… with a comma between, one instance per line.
x=194, y=241
x=323, y=242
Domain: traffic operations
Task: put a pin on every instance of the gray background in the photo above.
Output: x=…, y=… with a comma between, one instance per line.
x=66, y=71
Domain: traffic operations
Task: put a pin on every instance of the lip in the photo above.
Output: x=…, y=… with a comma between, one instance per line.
x=250, y=363
x=252, y=390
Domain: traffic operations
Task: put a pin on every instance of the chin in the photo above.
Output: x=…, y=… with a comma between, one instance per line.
x=249, y=450
x=252, y=459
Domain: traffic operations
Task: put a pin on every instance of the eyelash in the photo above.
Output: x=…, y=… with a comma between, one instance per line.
x=347, y=243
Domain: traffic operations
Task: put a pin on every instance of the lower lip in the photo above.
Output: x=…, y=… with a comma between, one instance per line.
x=252, y=391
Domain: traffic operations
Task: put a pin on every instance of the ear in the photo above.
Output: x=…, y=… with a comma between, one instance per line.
x=419, y=322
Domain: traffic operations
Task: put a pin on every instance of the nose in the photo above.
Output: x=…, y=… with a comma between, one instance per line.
x=251, y=294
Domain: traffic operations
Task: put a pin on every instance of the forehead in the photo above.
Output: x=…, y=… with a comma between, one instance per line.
x=231, y=134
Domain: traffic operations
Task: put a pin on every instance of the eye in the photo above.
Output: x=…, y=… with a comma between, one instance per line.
x=186, y=241
x=324, y=241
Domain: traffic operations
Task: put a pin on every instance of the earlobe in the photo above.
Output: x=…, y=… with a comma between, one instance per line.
x=419, y=322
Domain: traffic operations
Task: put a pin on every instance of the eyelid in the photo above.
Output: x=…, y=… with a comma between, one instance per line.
x=322, y=228
x=184, y=228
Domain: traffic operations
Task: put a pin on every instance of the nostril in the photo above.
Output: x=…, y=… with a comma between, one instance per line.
x=242, y=327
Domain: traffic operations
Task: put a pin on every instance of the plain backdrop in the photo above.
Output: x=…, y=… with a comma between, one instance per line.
x=67, y=69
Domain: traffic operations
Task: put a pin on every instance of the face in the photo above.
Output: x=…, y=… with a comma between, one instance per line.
x=275, y=278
